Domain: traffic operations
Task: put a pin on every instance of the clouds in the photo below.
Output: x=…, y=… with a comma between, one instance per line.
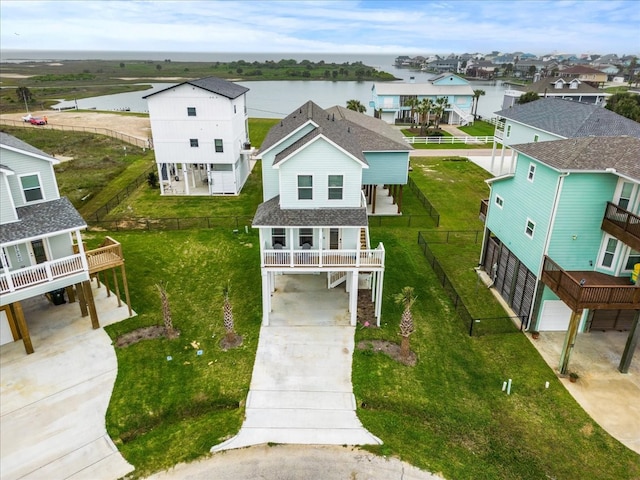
x=402, y=26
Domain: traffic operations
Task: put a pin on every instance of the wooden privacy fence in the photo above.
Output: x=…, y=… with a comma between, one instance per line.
x=138, y=142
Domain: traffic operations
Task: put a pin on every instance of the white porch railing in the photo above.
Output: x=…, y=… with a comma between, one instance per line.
x=41, y=273
x=446, y=140
x=324, y=258
x=465, y=117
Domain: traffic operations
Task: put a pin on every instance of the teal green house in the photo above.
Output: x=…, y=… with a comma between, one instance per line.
x=562, y=236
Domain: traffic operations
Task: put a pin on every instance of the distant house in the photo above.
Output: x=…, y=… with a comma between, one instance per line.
x=200, y=137
x=567, y=88
x=390, y=100
x=41, y=246
x=451, y=65
x=588, y=75
x=553, y=119
x=562, y=236
x=317, y=167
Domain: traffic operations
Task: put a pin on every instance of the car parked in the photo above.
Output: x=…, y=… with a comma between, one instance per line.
x=37, y=121
x=27, y=118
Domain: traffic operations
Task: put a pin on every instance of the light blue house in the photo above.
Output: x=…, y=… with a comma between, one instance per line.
x=41, y=246
x=390, y=101
x=562, y=237
x=317, y=167
x=552, y=119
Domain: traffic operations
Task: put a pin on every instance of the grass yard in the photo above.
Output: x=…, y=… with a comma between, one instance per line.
x=447, y=414
x=479, y=129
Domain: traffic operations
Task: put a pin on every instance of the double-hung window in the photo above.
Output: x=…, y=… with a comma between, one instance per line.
x=218, y=145
x=306, y=236
x=31, y=187
x=305, y=187
x=532, y=172
x=530, y=228
x=609, y=252
x=335, y=187
x=191, y=111
x=278, y=237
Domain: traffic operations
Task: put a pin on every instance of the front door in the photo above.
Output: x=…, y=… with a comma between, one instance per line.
x=334, y=239
x=39, y=252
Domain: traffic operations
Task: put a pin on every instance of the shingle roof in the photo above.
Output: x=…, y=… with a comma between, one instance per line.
x=354, y=132
x=13, y=142
x=269, y=214
x=42, y=219
x=548, y=84
x=212, y=84
x=588, y=153
x=422, y=89
x=571, y=119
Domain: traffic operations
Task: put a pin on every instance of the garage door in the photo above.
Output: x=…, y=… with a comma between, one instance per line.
x=555, y=316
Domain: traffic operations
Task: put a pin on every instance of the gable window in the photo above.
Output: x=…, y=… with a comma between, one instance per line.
x=532, y=172
x=508, y=131
x=191, y=111
x=499, y=201
x=31, y=187
x=335, y=187
x=536, y=138
x=193, y=142
x=278, y=237
x=218, y=144
x=632, y=260
x=609, y=253
x=305, y=187
x=530, y=228
x=306, y=236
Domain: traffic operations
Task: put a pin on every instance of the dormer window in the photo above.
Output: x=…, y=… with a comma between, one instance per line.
x=559, y=84
x=574, y=85
x=31, y=188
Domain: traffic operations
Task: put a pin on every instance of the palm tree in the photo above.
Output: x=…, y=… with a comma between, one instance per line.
x=228, y=315
x=476, y=97
x=169, y=330
x=356, y=106
x=442, y=103
x=406, y=298
x=424, y=109
x=412, y=103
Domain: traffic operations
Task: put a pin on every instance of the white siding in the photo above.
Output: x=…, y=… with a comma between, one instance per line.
x=320, y=159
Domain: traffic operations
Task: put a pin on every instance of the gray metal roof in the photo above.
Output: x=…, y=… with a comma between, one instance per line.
x=269, y=214
x=42, y=219
x=13, y=142
x=211, y=84
x=570, y=119
x=588, y=153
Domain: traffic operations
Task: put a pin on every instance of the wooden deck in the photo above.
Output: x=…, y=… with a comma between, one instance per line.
x=622, y=224
x=109, y=255
x=587, y=289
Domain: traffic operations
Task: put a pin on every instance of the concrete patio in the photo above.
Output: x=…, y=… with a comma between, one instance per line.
x=53, y=402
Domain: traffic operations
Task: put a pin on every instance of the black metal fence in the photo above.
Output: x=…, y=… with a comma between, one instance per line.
x=432, y=212
x=236, y=222
x=416, y=221
x=114, y=201
x=453, y=236
x=475, y=326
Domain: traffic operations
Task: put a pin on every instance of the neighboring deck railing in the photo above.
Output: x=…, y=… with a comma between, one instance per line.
x=622, y=224
x=324, y=258
x=41, y=273
x=109, y=255
x=484, y=209
x=447, y=140
x=579, y=296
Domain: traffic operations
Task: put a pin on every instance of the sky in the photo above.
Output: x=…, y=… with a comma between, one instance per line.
x=324, y=26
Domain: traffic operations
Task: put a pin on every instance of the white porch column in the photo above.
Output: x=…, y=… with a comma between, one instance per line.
x=83, y=257
x=502, y=152
x=353, y=298
x=185, y=178
x=266, y=298
x=493, y=156
x=378, y=303
x=160, y=179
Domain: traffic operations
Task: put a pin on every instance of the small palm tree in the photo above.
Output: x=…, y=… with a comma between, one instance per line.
x=356, y=106
x=442, y=103
x=412, y=103
x=424, y=109
x=169, y=331
x=406, y=298
x=227, y=309
x=476, y=97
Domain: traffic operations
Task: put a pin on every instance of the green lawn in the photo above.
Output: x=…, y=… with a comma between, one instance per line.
x=479, y=129
x=447, y=414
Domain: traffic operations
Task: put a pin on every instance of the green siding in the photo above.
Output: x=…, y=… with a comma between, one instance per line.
x=60, y=246
x=23, y=164
x=524, y=199
x=520, y=133
x=386, y=168
x=582, y=204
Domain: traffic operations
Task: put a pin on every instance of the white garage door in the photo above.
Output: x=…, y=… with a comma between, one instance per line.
x=555, y=316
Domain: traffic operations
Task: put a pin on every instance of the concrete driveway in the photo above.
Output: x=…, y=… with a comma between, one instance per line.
x=53, y=402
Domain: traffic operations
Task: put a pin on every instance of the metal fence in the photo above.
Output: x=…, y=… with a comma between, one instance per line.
x=475, y=326
x=432, y=212
x=138, y=142
x=453, y=236
x=236, y=222
x=114, y=201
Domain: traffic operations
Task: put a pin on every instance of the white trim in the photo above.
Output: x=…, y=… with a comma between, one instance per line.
x=499, y=201
x=531, y=172
x=24, y=197
x=603, y=251
x=533, y=229
x=262, y=152
x=311, y=142
x=31, y=154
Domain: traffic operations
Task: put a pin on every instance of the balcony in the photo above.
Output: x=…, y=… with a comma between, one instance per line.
x=588, y=289
x=108, y=255
x=622, y=224
x=372, y=259
x=484, y=209
x=41, y=273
